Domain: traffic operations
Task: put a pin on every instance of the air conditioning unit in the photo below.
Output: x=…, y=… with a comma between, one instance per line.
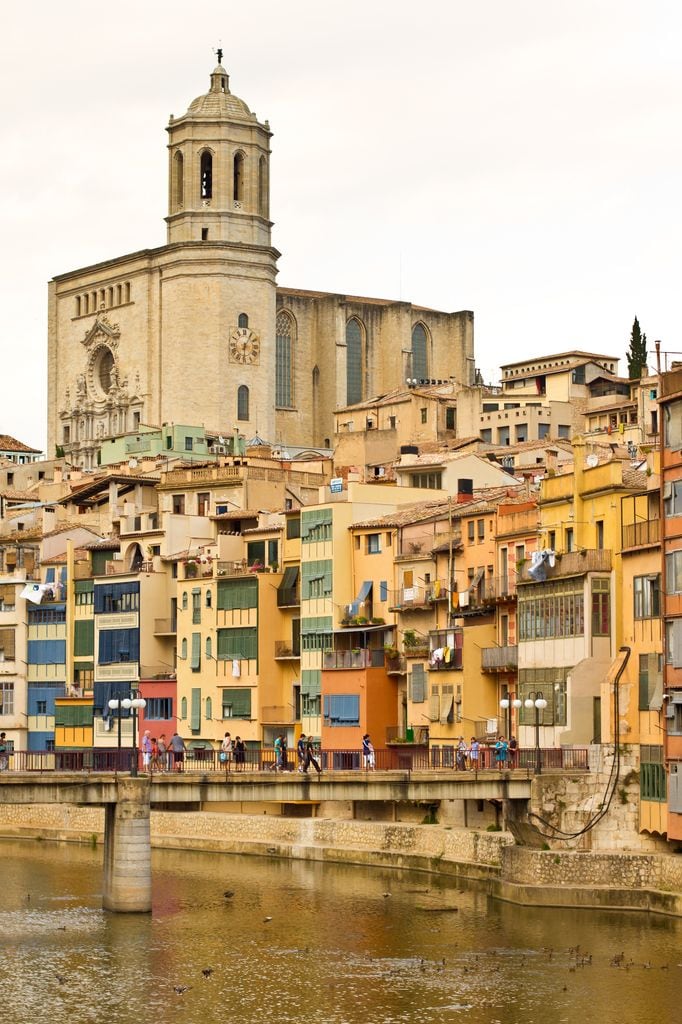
x=218, y=449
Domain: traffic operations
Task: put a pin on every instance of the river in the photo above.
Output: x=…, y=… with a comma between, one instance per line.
x=314, y=944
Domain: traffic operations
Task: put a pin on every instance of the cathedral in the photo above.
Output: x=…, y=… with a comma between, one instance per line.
x=197, y=331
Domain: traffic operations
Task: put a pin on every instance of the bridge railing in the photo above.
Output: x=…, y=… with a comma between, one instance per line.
x=203, y=760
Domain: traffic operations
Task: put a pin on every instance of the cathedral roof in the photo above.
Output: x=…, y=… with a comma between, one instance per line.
x=219, y=102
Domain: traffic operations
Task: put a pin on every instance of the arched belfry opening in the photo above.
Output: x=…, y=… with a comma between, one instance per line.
x=178, y=191
x=263, y=199
x=206, y=175
x=238, y=177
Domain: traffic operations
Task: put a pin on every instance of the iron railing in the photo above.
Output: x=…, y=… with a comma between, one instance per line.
x=207, y=759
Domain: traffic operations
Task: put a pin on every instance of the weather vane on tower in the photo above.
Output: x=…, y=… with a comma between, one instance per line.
x=219, y=54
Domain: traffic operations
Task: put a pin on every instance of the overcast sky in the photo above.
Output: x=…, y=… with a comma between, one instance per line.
x=519, y=158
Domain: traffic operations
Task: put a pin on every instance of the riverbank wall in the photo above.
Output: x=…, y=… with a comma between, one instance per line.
x=618, y=880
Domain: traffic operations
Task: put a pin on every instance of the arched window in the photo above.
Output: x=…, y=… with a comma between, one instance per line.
x=243, y=320
x=209, y=709
x=183, y=648
x=284, y=360
x=178, y=187
x=354, y=346
x=420, y=360
x=209, y=600
x=183, y=708
x=243, y=403
x=209, y=647
x=104, y=368
x=206, y=175
x=184, y=601
x=238, y=177
x=263, y=187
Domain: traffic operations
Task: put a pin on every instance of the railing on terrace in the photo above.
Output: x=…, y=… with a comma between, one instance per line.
x=636, y=535
x=163, y=626
x=204, y=760
x=286, y=650
x=395, y=664
x=119, y=568
x=418, y=734
x=284, y=714
x=499, y=659
x=518, y=522
x=290, y=597
x=573, y=563
x=238, y=568
x=418, y=598
x=353, y=659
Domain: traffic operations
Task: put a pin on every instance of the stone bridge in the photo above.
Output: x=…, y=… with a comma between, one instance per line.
x=127, y=801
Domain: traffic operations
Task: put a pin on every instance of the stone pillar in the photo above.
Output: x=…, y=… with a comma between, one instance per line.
x=127, y=884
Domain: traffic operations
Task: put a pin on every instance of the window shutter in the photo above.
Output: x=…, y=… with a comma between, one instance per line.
x=195, y=720
x=84, y=638
x=655, y=683
x=195, y=663
x=434, y=707
x=418, y=682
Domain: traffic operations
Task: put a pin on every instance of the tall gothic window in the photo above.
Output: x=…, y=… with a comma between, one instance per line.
x=243, y=403
x=354, y=346
x=263, y=187
x=420, y=361
x=284, y=361
x=206, y=175
x=178, y=180
x=238, y=175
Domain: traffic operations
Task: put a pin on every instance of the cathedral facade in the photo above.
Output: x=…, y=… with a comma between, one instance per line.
x=197, y=332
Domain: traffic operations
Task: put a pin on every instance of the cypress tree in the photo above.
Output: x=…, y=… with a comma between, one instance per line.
x=637, y=354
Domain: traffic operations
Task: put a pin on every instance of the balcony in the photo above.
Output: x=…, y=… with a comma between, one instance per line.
x=640, y=534
x=513, y=523
x=165, y=627
x=119, y=568
x=499, y=659
x=289, y=598
x=395, y=664
x=573, y=563
x=285, y=652
x=413, y=734
x=278, y=715
x=354, y=659
x=238, y=568
x=421, y=598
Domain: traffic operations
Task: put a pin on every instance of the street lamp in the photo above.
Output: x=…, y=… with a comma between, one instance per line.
x=128, y=704
x=509, y=701
x=536, y=700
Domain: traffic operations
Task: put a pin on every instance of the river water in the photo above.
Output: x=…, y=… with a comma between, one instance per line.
x=314, y=944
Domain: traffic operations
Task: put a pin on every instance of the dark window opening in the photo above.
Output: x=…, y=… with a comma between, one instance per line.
x=206, y=175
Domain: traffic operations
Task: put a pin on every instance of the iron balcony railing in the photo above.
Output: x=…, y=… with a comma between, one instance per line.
x=284, y=650
x=357, y=658
x=288, y=598
x=418, y=598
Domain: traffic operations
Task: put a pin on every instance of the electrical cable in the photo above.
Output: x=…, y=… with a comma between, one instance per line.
x=559, y=834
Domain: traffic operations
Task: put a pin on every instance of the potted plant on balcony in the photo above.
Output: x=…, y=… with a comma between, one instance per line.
x=377, y=621
x=390, y=651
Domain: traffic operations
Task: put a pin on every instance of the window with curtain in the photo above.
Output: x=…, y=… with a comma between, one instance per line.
x=354, y=346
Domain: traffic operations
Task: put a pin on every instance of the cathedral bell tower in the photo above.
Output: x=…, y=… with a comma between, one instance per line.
x=218, y=170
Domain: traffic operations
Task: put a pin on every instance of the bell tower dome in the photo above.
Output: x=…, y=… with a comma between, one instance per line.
x=219, y=170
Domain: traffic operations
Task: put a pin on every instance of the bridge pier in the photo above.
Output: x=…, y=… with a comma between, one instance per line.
x=127, y=882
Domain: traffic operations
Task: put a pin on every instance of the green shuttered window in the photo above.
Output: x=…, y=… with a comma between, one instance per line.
x=239, y=593
x=84, y=638
x=237, y=643
x=195, y=718
x=195, y=663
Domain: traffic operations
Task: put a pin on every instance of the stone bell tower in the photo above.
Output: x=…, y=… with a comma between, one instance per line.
x=218, y=170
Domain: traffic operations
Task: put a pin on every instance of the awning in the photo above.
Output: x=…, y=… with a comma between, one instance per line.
x=477, y=579
x=290, y=578
x=364, y=629
x=365, y=591
x=446, y=703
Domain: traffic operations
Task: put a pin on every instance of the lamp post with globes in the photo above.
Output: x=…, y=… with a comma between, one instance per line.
x=133, y=704
x=509, y=701
x=535, y=699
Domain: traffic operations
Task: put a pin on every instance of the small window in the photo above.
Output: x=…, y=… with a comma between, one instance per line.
x=471, y=530
x=243, y=320
x=184, y=601
x=424, y=415
x=480, y=525
x=209, y=599
x=373, y=543
x=204, y=234
x=179, y=504
x=243, y=403
x=600, y=533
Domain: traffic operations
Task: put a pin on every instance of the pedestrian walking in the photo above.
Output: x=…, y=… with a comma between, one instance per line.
x=239, y=753
x=226, y=751
x=162, y=752
x=155, y=754
x=474, y=752
x=501, y=748
x=310, y=757
x=461, y=755
x=4, y=759
x=300, y=751
x=513, y=751
x=368, y=755
x=177, y=750
x=278, y=754
x=147, y=751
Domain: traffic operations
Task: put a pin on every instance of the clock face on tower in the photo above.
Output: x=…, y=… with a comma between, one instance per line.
x=244, y=345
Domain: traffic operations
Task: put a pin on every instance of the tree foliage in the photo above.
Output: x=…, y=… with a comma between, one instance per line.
x=637, y=354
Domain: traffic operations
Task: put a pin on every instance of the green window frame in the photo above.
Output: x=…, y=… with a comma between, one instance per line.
x=316, y=579
x=195, y=719
x=84, y=638
x=196, y=605
x=652, y=782
x=236, y=702
x=601, y=607
x=195, y=662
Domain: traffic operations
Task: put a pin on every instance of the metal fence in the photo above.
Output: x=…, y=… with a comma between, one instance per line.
x=206, y=760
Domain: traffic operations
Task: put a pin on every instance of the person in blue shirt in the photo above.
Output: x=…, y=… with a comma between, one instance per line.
x=501, y=748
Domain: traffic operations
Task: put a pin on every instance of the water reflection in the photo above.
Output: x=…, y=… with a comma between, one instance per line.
x=307, y=942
